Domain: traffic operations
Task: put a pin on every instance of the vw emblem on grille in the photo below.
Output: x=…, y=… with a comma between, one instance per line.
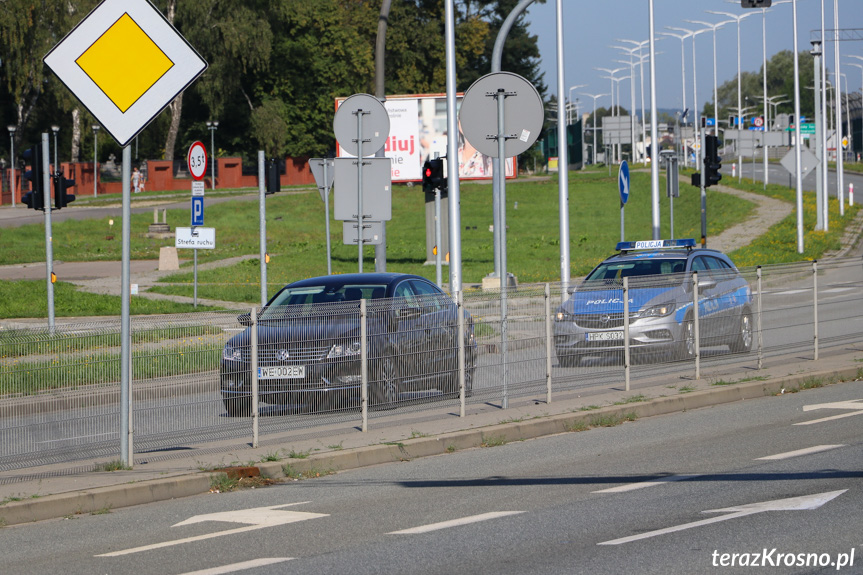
x=283, y=355
x=605, y=319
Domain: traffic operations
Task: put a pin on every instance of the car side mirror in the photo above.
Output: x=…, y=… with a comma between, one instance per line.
x=706, y=284
x=245, y=319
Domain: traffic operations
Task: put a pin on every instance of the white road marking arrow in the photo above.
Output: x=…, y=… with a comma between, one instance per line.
x=854, y=404
x=256, y=518
x=804, y=503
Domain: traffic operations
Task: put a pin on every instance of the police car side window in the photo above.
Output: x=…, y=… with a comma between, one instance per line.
x=699, y=265
x=719, y=268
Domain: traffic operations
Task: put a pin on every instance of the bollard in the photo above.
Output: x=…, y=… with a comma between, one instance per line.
x=851, y=194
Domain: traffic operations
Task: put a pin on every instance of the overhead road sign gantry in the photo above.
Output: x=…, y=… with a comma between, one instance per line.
x=130, y=35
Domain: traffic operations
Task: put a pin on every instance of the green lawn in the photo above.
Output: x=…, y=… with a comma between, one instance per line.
x=298, y=250
x=296, y=243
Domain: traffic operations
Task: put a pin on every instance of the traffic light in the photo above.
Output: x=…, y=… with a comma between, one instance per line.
x=433, y=178
x=35, y=198
x=272, y=176
x=755, y=3
x=61, y=198
x=712, y=161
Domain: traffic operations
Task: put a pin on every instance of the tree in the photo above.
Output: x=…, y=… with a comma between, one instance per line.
x=28, y=30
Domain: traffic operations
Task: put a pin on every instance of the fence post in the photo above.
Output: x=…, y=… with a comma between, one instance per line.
x=364, y=366
x=695, y=326
x=462, y=395
x=254, y=337
x=815, y=304
x=548, y=343
x=626, y=350
x=760, y=311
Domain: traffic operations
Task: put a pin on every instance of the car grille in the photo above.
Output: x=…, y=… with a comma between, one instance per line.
x=269, y=354
x=599, y=320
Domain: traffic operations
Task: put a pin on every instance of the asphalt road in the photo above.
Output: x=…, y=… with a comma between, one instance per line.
x=779, y=175
x=665, y=495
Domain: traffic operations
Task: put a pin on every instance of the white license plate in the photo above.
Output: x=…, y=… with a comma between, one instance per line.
x=282, y=372
x=604, y=336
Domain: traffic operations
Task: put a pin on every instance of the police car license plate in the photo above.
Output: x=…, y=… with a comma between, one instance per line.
x=282, y=372
x=604, y=336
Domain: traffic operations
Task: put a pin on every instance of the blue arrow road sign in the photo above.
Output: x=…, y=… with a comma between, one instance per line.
x=623, y=182
x=197, y=211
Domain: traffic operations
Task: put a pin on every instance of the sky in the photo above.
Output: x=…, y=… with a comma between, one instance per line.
x=591, y=27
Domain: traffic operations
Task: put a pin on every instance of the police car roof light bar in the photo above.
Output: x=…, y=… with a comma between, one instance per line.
x=655, y=244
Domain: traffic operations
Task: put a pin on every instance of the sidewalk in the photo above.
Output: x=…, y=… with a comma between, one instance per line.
x=59, y=491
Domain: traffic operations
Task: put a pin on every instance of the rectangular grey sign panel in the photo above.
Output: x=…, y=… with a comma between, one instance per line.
x=377, y=189
x=372, y=233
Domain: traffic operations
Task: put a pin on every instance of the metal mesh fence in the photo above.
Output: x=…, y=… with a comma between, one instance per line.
x=359, y=360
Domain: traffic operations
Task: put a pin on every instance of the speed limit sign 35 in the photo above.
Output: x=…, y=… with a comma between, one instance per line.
x=197, y=160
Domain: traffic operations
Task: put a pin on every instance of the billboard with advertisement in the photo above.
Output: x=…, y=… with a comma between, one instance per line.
x=418, y=131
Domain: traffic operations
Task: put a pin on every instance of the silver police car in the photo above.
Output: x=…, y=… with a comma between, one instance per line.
x=660, y=273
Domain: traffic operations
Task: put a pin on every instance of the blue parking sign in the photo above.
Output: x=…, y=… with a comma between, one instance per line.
x=197, y=211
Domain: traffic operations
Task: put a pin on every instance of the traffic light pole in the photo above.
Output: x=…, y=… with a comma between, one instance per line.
x=49, y=248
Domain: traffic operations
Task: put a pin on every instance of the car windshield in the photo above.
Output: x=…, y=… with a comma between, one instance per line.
x=321, y=294
x=612, y=272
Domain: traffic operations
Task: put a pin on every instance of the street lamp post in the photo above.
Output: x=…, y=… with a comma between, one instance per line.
x=613, y=114
x=631, y=52
x=642, y=58
x=12, y=129
x=682, y=38
x=737, y=18
x=96, y=128
x=212, y=126
x=594, y=96
x=764, y=47
x=696, y=115
x=714, y=27
x=569, y=108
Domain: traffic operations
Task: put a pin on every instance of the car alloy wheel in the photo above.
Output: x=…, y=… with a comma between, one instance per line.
x=386, y=389
x=743, y=343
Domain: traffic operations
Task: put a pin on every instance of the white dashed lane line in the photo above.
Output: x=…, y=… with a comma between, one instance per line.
x=800, y=452
x=455, y=522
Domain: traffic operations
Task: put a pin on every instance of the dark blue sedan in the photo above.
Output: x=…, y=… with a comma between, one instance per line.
x=309, y=344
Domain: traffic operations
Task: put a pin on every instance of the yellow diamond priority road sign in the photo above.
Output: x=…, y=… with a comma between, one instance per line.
x=125, y=62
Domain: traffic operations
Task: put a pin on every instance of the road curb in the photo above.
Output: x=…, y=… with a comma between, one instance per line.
x=101, y=499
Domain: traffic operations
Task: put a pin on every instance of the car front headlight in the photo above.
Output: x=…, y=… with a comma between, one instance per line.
x=345, y=350
x=231, y=354
x=563, y=315
x=657, y=310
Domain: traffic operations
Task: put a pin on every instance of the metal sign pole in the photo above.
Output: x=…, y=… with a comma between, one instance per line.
x=359, y=114
x=500, y=96
x=126, y=452
x=327, y=221
x=262, y=217
x=453, y=184
x=195, y=297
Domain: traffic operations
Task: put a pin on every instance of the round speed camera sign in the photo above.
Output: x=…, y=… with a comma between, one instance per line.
x=197, y=160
